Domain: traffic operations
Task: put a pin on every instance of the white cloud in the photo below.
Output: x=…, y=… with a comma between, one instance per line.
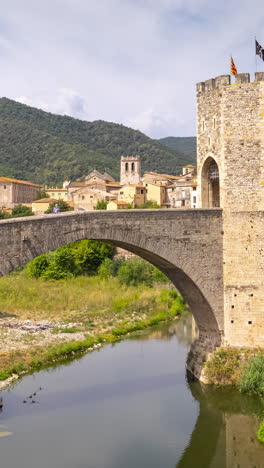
x=133, y=61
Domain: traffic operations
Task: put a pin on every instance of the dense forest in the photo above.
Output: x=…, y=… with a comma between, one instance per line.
x=47, y=148
x=184, y=145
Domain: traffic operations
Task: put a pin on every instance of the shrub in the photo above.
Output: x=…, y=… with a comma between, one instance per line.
x=260, y=433
x=38, y=266
x=222, y=368
x=81, y=257
x=134, y=272
x=101, y=205
x=20, y=210
x=63, y=206
x=105, y=270
x=252, y=380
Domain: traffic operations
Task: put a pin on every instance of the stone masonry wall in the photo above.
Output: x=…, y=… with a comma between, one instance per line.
x=237, y=145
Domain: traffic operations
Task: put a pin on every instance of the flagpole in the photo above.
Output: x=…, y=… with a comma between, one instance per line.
x=256, y=62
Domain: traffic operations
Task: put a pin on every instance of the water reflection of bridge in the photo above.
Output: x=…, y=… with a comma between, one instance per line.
x=225, y=432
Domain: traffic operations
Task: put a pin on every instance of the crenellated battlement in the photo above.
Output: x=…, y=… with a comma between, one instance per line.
x=130, y=158
x=224, y=80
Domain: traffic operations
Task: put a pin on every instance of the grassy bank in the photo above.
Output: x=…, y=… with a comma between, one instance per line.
x=241, y=368
x=85, y=313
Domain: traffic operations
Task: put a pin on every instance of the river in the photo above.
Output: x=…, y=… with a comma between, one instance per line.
x=128, y=405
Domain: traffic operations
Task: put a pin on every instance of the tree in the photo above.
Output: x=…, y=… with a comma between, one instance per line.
x=63, y=206
x=41, y=194
x=20, y=210
x=101, y=205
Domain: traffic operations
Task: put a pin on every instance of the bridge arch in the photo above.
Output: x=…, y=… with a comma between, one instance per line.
x=175, y=242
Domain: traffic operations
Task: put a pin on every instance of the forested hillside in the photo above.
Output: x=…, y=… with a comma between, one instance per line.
x=48, y=148
x=184, y=145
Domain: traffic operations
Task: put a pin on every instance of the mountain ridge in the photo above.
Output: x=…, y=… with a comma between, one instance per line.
x=48, y=148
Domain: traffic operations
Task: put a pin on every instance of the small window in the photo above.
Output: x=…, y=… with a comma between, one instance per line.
x=59, y=194
x=183, y=203
x=121, y=193
x=141, y=191
x=133, y=167
x=4, y=186
x=209, y=141
x=194, y=188
x=91, y=196
x=214, y=122
x=194, y=199
x=126, y=167
x=83, y=197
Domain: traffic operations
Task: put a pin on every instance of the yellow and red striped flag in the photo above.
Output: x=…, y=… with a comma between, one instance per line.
x=233, y=67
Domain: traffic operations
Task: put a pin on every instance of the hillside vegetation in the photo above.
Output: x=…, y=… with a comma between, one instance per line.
x=184, y=145
x=48, y=148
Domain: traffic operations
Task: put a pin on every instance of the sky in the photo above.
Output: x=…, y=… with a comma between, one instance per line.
x=134, y=62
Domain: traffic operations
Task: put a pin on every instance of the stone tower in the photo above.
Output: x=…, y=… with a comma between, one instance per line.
x=230, y=171
x=130, y=170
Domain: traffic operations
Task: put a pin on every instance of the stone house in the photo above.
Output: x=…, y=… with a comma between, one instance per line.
x=133, y=194
x=117, y=205
x=156, y=193
x=14, y=192
x=40, y=206
x=58, y=193
x=86, y=198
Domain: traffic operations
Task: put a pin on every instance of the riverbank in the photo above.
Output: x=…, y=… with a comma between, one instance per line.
x=42, y=322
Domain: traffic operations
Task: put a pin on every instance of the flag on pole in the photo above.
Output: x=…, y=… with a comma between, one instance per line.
x=233, y=67
x=259, y=50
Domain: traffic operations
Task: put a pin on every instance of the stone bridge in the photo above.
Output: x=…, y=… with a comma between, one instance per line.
x=187, y=245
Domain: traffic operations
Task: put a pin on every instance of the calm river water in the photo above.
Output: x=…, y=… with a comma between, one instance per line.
x=128, y=405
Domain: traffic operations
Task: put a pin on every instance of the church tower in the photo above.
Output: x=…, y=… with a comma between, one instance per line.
x=130, y=170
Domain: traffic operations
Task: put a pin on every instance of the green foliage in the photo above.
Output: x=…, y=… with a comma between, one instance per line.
x=63, y=206
x=174, y=301
x=134, y=272
x=223, y=366
x=41, y=194
x=48, y=148
x=252, y=380
x=106, y=270
x=101, y=205
x=20, y=210
x=185, y=145
x=81, y=257
x=37, y=267
x=260, y=433
x=4, y=215
x=150, y=204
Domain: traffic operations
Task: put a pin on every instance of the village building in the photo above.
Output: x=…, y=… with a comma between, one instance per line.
x=134, y=195
x=40, y=206
x=156, y=193
x=117, y=205
x=15, y=192
x=86, y=199
x=58, y=193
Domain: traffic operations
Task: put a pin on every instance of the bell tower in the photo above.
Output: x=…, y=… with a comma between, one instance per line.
x=130, y=170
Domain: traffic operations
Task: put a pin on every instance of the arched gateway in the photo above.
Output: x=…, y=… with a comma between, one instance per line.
x=185, y=245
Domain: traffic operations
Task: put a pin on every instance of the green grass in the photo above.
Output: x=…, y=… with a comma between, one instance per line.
x=260, y=433
x=252, y=380
x=103, y=309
